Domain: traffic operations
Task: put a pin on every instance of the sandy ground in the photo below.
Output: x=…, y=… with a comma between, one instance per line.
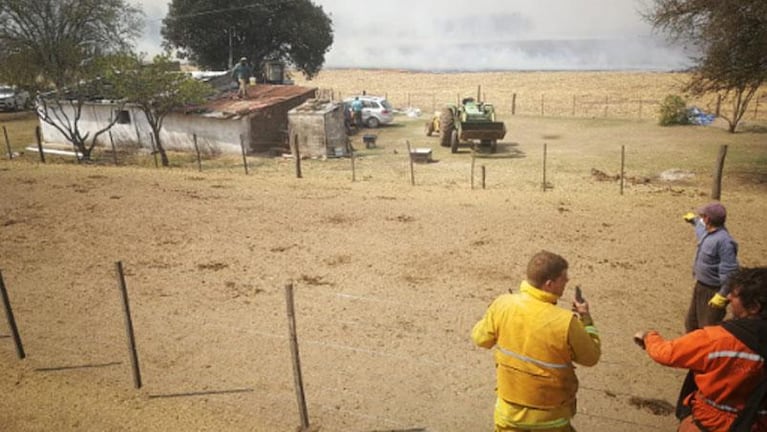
x=389, y=279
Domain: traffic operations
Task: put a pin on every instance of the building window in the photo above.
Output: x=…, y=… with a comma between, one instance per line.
x=123, y=116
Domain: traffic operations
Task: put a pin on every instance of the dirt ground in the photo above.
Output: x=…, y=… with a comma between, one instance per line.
x=389, y=279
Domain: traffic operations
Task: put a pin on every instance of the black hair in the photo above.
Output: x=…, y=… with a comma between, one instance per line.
x=750, y=284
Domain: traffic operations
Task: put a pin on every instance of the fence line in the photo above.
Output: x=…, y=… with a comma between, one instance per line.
x=507, y=102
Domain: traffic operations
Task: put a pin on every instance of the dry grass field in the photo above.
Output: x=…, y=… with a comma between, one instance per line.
x=389, y=277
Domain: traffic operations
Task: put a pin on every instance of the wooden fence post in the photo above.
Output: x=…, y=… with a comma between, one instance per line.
x=297, y=154
x=513, y=104
x=483, y=177
x=412, y=169
x=39, y=138
x=544, y=168
x=244, y=158
x=716, y=189
x=297, y=377
x=11, y=320
x=197, y=150
x=7, y=143
x=129, y=326
x=623, y=164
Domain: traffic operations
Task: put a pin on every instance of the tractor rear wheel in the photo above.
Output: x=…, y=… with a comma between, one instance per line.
x=446, y=127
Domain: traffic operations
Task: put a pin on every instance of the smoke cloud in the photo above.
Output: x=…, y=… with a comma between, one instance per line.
x=474, y=35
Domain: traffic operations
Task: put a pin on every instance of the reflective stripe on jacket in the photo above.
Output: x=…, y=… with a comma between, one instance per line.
x=726, y=372
x=534, y=365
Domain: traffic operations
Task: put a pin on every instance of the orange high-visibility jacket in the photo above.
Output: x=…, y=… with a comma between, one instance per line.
x=726, y=372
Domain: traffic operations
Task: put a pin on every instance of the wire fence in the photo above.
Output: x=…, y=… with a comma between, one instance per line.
x=582, y=105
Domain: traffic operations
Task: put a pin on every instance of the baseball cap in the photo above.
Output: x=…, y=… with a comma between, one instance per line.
x=715, y=212
x=244, y=59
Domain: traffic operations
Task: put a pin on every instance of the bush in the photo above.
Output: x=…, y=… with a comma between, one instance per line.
x=673, y=111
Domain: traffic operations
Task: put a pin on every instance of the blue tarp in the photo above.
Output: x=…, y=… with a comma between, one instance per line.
x=697, y=117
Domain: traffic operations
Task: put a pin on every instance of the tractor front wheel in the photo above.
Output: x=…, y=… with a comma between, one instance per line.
x=454, y=141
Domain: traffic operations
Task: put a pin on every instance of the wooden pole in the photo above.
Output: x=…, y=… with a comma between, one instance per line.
x=473, y=151
x=298, y=380
x=479, y=93
x=7, y=143
x=716, y=189
x=412, y=168
x=354, y=171
x=114, y=150
x=483, y=177
x=244, y=159
x=11, y=321
x=39, y=144
x=197, y=150
x=297, y=154
x=513, y=104
x=544, y=167
x=129, y=326
x=623, y=165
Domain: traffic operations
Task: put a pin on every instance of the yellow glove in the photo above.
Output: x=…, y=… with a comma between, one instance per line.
x=718, y=301
x=689, y=217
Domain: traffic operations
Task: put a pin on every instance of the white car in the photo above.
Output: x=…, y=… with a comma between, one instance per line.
x=376, y=110
x=13, y=99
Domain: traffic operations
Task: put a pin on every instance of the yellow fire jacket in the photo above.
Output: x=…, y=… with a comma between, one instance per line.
x=536, y=344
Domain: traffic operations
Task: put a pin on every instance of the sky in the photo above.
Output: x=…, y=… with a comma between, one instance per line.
x=474, y=35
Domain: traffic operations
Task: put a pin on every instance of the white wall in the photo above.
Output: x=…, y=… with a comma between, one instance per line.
x=214, y=135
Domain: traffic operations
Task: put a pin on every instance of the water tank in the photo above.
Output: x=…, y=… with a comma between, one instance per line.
x=275, y=72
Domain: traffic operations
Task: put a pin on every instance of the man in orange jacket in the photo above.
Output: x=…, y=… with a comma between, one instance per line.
x=727, y=382
x=536, y=344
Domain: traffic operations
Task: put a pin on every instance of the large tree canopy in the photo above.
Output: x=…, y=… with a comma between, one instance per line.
x=211, y=32
x=731, y=39
x=44, y=43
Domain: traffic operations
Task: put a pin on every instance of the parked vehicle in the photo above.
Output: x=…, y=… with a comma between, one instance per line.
x=13, y=99
x=376, y=110
x=467, y=122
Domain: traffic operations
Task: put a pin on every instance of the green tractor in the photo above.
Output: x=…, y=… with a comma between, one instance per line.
x=469, y=122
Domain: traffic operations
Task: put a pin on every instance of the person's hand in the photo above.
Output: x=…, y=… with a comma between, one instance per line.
x=689, y=217
x=639, y=339
x=718, y=301
x=581, y=308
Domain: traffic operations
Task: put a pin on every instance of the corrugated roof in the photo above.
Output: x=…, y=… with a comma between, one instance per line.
x=259, y=96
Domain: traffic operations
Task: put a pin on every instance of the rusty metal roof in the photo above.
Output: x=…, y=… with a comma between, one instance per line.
x=259, y=96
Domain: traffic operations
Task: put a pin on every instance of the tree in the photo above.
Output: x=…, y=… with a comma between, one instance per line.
x=159, y=89
x=59, y=49
x=731, y=39
x=210, y=32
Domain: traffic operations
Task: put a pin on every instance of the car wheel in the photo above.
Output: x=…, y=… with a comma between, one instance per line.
x=373, y=122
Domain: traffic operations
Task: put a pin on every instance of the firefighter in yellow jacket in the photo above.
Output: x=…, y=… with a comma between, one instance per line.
x=536, y=344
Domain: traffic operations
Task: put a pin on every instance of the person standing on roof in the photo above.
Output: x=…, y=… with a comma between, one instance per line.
x=727, y=379
x=715, y=259
x=242, y=73
x=357, y=111
x=536, y=344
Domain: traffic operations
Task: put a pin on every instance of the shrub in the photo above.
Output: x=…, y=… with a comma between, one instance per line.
x=673, y=111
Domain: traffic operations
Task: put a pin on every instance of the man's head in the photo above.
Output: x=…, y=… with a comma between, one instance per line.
x=243, y=60
x=548, y=271
x=714, y=214
x=748, y=293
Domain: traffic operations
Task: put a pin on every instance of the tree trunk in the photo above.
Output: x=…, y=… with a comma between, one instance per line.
x=161, y=150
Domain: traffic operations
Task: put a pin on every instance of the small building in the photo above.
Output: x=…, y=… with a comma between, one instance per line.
x=317, y=127
x=223, y=124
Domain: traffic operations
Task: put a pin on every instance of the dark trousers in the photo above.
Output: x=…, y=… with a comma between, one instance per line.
x=700, y=314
